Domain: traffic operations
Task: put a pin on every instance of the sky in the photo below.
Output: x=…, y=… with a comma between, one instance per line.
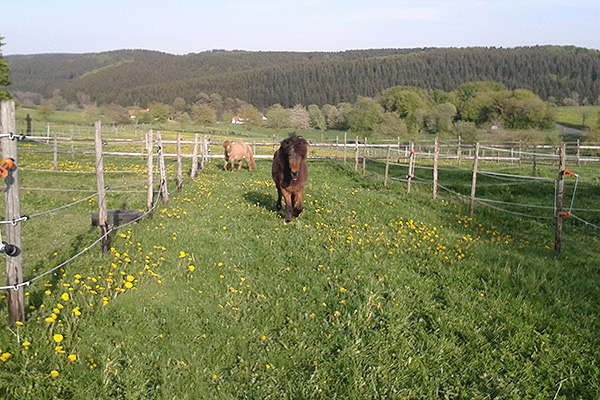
x=186, y=26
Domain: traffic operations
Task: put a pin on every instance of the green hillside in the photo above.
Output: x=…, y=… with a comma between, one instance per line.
x=288, y=78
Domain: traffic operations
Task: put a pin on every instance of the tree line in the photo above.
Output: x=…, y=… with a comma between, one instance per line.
x=558, y=74
x=357, y=91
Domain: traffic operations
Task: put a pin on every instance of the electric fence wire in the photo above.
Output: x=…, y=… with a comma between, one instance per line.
x=108, y=189
x=86, y=249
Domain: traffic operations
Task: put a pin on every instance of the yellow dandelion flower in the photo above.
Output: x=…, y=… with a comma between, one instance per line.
x=58, y=338
x=343, y=290
x=49, y=320
x=54, y=373
x=130, y=278
x=192, y=268
x=128, y=285
x=72, y=357
x=26, y=344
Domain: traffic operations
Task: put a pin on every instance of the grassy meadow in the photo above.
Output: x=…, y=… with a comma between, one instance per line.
x=370, y=294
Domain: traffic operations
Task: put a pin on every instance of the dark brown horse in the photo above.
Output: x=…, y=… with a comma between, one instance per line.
x=290, y=173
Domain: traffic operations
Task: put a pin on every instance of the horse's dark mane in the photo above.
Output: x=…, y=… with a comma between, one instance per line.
x=296, y=143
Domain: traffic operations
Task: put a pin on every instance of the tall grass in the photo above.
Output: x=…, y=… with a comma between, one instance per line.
x=370, y=293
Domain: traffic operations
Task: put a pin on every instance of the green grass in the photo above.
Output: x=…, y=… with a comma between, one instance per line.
x=370, y=293
x=578, y=117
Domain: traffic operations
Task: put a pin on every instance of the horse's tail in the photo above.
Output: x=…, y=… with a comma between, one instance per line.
x=250, y=158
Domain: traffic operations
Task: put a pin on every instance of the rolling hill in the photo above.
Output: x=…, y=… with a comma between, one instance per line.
x=130, y=77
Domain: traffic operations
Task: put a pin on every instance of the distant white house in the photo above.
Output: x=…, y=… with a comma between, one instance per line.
x=240, y=121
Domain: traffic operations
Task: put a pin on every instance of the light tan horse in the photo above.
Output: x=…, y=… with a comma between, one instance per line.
x=235, y=152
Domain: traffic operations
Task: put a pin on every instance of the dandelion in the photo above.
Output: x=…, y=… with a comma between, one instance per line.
x=72, y=357
x=58, y=338
x=4, y=357
x=54, y=373
x=342, y=290
x=192, y=268
x=268, y=366
x=26, y=344
x=130, y=278
x=128, y=285
x=49, y=320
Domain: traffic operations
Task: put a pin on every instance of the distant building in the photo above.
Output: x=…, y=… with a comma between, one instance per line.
x=132, y=115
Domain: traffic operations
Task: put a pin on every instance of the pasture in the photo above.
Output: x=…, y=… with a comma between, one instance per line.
x=369, y=293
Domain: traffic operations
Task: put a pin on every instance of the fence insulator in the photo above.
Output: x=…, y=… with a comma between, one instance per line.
x=9, y=249
x=8, y=164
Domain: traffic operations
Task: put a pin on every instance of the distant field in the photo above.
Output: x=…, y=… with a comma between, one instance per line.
x=578, y=117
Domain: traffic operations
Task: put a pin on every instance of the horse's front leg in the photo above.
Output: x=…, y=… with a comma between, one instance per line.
x=299, y=203
x=278, y=205
x=289, y=206
x=225, y=166
x=240, y=166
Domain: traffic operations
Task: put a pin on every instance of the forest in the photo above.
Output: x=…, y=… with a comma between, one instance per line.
x=393, y=92
x=139, y=77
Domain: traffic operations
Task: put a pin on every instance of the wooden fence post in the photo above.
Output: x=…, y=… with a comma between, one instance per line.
x=560, y=192
x=72, y=149
x=436, y=154
x=144, y=141
x=179, y=167
x=337, y=146
x=356, y=155
x=163, y=170
x=364, y=158
x=345, y=144
x=55, y=159
x=411, y=165
x=149, y=150
x=534, y=164
x=387, y=166
x=474, y=181
x=578, y=154
x=194, y=173
x=14, y=264
x=459, y=151
x=102, y=212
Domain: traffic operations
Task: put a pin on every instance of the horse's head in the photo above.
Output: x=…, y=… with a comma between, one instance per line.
x=296, y=151
x=227, y=146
